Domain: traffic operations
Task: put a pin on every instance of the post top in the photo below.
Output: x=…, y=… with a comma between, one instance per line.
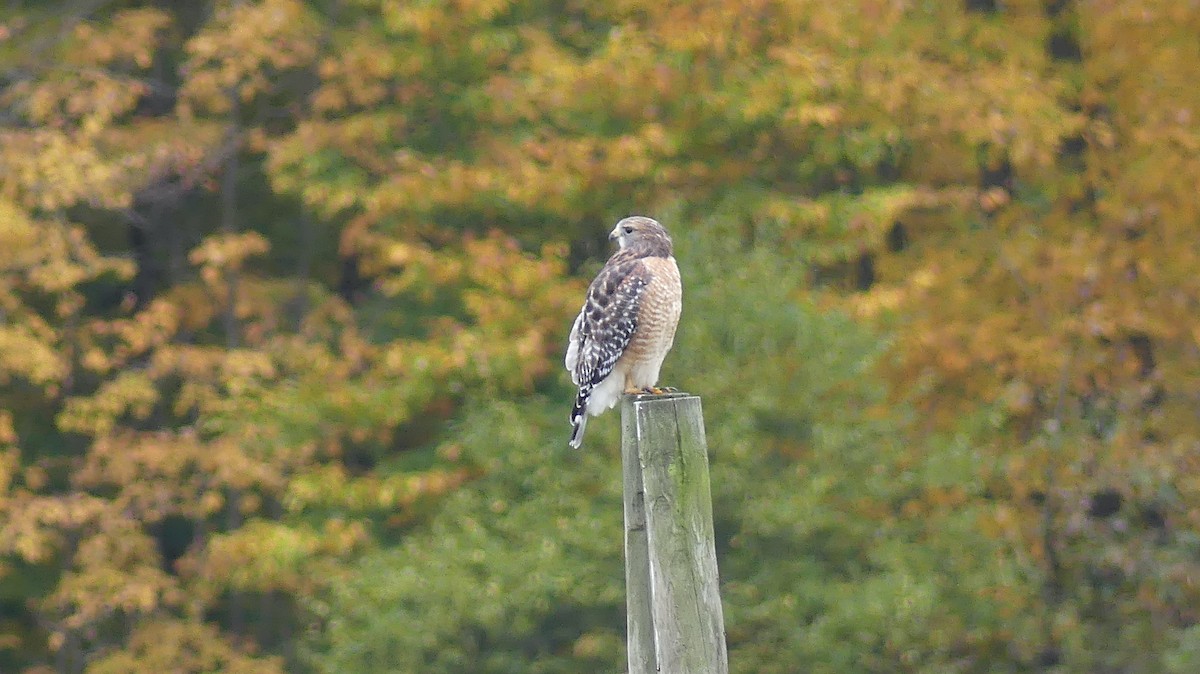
x=650, y=397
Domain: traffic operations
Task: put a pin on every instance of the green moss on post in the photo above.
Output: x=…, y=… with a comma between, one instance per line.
x=674, y=605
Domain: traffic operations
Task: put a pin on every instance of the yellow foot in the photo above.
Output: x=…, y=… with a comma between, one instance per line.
x=651, y=390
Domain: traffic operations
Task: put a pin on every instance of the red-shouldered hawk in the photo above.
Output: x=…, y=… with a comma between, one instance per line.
x=627, y=323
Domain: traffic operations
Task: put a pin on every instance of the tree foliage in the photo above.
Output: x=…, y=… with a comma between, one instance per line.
x=284, y=285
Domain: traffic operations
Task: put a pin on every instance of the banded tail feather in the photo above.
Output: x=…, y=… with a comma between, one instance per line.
x=579, y=417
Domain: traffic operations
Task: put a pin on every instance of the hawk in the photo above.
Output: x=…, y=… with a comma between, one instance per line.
x=627, y=323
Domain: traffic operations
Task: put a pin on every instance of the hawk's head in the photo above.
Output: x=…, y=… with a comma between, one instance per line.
x=640, y=232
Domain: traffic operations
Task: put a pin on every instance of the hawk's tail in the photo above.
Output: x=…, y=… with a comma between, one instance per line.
x=579, y=418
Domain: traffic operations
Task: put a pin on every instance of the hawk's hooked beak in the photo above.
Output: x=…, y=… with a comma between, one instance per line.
x=614, y=234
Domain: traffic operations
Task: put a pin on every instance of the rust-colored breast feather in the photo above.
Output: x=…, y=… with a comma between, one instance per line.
x=658, y=316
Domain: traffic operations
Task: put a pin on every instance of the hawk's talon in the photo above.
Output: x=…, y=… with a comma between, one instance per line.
x=651, y=390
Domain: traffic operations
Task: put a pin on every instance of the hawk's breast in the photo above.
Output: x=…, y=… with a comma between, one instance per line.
x=658, y=311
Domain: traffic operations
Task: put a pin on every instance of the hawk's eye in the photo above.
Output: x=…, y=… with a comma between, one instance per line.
x=628, y=229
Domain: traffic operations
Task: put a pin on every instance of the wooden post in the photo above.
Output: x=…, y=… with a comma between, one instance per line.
x=675, y=624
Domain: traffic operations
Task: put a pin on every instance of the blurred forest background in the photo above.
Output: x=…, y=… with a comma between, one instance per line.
x=285, y=286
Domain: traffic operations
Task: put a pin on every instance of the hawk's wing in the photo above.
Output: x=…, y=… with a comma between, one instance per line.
x=606, y=323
